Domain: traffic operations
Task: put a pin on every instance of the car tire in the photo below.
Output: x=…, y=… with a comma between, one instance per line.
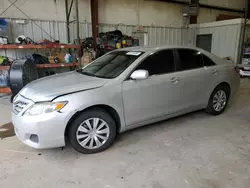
x=92, y=131
x=221, y=93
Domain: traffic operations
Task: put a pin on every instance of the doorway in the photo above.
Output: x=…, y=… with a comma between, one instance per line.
x=204, y=42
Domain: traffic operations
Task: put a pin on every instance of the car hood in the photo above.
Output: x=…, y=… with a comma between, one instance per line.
x=46, y=89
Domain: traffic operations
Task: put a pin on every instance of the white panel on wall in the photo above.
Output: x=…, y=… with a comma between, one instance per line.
x=225, y=37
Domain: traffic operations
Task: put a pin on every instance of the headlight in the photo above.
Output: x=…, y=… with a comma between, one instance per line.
x=44, y=108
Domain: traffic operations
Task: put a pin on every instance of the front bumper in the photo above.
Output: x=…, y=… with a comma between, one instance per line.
x=43, y=131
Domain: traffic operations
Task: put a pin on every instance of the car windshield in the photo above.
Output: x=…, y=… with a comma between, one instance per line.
x=111, y=65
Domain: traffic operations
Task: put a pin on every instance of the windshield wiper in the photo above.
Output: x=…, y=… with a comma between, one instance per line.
x=86, y=73
x=93, y=75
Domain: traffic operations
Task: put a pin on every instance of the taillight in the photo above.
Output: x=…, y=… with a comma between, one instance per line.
x=237, y=69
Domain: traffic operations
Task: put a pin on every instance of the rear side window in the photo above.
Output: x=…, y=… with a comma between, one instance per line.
x=207, y=61
x=161, y=62
x=190, y=59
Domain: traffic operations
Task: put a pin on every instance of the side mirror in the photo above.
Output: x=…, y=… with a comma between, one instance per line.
x=139, y=75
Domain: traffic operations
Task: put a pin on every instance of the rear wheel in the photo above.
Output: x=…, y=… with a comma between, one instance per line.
x=218, y=100
x=92, y=131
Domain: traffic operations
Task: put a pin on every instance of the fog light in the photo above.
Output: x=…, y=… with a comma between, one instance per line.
x=34, y=138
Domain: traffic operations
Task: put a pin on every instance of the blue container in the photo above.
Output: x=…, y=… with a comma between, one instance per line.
x=4, y=78
x=3, y=26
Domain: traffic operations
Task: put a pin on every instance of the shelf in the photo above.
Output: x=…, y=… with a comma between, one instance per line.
x=41, y=66
x=34, y=46
x=5, y=90
x=4, y=67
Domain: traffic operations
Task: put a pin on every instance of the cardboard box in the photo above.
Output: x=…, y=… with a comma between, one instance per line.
x=59, y=56
x=87, y=58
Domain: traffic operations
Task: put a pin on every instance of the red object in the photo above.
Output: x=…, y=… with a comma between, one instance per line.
x=5, y=90
x=4, y=67
x=33, y=46
x=39, y=66
x=140, y=28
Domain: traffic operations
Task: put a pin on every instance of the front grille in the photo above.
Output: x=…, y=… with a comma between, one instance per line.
x=20, y=104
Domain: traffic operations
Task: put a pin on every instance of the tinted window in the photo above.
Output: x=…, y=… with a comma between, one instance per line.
x=207, y=61
x=111, y=65
x=159, y=63
x=190, y=59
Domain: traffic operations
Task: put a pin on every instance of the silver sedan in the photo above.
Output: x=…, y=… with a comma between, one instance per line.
x=122, y=90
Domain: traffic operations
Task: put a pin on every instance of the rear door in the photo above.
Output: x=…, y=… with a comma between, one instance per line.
x=212, y=74
x=192, y=73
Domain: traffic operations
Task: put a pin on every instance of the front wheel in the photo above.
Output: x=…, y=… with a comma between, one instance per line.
x=92, y=131
x=218, y=100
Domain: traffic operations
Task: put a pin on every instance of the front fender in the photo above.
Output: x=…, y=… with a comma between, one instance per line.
x=77, y=102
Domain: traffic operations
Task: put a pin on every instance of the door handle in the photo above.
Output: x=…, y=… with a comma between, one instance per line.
x=215, y=71
x=174, y=80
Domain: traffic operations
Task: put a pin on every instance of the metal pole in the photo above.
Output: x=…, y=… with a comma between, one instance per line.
x=77, y=23
x=244, y=32
x=94, y=19
x=67, y=20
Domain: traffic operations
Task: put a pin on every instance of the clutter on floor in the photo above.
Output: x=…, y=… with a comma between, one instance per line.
x=109, y=41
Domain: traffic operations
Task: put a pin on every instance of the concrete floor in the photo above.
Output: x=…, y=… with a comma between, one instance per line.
x=193, y=151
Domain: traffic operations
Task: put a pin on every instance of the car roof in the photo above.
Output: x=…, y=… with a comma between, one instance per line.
x=148, y=49
x=152, y=48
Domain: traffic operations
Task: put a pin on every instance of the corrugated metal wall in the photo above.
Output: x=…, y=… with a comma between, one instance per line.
x=156, y=35
x=38, y=30
x=225, y=42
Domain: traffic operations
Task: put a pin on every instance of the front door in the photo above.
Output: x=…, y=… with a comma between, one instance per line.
x=156, y=96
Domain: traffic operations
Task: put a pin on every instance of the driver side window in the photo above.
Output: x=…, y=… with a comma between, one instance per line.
x=161, y=62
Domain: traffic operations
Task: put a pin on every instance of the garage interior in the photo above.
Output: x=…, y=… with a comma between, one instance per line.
x=195, y=150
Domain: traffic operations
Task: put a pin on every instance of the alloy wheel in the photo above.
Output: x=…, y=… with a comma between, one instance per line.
x=219, y=100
